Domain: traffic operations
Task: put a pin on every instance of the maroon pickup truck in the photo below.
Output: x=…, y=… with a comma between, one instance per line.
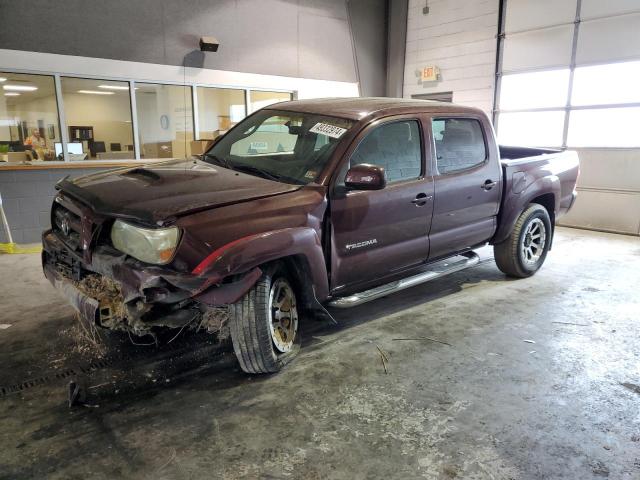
x=301, y=206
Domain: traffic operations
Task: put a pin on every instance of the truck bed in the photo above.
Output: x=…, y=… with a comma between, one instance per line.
x=539, y=175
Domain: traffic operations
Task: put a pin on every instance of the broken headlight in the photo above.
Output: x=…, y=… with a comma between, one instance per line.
x=150, y=245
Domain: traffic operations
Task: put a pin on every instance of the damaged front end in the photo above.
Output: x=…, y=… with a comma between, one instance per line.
x=115, y=291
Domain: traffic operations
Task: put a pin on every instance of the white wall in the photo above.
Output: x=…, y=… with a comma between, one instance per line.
x=608, y=191
x=458, y=36
x=109, y=115
x=88, y=67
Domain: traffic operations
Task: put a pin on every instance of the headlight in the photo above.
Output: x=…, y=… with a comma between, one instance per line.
x=150, y=245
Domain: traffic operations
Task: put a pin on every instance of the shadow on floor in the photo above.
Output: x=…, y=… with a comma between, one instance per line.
x=133, y=372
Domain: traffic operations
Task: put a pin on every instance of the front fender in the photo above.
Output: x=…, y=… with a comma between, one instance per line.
x=519, y=195
x=247, y=253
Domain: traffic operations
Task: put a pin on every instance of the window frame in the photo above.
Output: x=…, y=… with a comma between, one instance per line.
x=138, y=145
x=434, y=154
x=370, y=128
x=61, y=128
x=131, y=82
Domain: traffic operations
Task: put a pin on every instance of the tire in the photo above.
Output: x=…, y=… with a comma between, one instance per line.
x=260, y=346
x=519, y=255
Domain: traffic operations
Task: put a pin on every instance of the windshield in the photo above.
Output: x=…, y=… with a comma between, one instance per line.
x=289, y=147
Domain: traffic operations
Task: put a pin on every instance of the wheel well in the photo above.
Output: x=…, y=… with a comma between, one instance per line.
x=298, y=267
x=548, y=201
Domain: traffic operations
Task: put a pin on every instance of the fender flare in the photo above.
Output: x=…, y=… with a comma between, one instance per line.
x=518, y=203
x=248, y=253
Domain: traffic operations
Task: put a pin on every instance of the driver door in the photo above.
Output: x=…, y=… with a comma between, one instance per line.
x=377, y=233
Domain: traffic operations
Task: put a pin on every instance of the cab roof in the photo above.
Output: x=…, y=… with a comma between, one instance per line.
x=357, y=108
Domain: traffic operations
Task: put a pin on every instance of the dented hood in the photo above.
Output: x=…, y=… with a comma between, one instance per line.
x=156, y=194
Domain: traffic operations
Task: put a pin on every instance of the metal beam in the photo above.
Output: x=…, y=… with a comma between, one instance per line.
x=64, y=133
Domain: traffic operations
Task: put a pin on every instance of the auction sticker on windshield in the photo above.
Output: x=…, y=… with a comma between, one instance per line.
x=328, y=130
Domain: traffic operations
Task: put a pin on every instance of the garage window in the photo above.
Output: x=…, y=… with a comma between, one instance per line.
x=459, y=144
x=569, y=79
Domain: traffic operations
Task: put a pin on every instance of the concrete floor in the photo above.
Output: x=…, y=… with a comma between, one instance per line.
x=490, y=404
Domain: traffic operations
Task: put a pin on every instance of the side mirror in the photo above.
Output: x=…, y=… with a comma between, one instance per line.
x=365, y=177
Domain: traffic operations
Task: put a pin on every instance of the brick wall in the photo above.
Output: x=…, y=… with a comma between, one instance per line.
x=26, y=198
x=459, y=37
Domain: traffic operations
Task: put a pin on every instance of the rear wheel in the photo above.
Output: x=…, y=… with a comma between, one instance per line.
x=525, y=250
x=265, y=324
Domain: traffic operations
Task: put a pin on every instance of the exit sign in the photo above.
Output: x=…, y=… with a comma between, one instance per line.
x=429, y=73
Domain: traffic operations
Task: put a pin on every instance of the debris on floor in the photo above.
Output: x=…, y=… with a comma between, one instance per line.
x=87, y=338
x=4, y=326
x=384, y=358
x=423, y=338
x=632, y=386
x=529, y=341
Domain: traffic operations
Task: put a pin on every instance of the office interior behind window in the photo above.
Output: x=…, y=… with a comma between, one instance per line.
x=29, y=127
x=169, y=120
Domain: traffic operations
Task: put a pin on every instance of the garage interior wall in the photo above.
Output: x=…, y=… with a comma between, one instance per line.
x=458, y=37
x=539, y=55
x=569, y=80
x=272, y=37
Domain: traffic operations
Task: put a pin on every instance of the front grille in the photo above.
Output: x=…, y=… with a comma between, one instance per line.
x=68, y=226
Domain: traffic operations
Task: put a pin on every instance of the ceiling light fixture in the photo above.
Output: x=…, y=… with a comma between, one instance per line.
x=113, y=87
x=12, y=94
x=20, y=88
x=95, y=92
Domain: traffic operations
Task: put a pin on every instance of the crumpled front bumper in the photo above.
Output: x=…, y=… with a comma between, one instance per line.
x=153, y=294
x=86, y=306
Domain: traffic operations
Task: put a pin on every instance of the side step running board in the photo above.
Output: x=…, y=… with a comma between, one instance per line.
x=437, y=270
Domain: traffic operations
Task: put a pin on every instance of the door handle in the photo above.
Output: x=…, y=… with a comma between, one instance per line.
x=421, y=199
x=488, y=185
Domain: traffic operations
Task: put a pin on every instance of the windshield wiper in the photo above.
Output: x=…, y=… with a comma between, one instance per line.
x=258, y=171
x=223, y=162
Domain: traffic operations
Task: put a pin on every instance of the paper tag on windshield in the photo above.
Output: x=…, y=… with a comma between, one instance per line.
x=328, y=130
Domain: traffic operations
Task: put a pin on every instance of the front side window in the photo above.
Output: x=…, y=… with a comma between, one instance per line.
x=459, y=144
x=285, y=146
x=394, y=146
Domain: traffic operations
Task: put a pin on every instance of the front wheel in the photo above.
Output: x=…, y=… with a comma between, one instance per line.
x=264, y=324
x=525, y=250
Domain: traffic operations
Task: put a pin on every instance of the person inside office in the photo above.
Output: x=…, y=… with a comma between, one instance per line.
x=37, y=144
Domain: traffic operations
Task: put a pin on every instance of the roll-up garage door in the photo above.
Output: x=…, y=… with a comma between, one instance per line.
x=568, y=72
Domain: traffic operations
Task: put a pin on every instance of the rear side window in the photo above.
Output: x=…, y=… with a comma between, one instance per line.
x=394, y=146
x=459, y=144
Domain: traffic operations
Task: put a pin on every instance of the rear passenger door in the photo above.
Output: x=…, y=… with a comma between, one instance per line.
x=376, y=233
x=467, y=176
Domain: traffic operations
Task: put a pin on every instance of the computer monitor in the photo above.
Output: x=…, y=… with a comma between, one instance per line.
x=96, y=147
x=75, y=148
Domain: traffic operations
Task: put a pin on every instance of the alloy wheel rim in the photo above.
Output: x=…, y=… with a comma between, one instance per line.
x=283, y=315
x=533, y=242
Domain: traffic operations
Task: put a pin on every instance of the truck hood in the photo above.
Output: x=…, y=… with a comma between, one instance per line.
x=155, y=194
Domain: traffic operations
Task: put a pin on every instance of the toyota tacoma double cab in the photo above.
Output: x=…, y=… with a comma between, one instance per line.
x=301, y=206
